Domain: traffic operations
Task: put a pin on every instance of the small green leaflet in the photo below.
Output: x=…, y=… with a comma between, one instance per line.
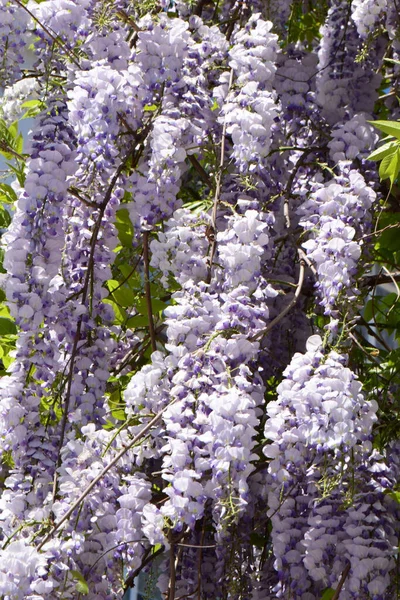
x=34, y=107
x=389, y=153
x=328, y=594
x=390, y=166
x=382, y=151
x=389, y=127
x=81, y=585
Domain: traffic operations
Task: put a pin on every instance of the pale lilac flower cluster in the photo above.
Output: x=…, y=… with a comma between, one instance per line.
x=336, y=214
x=94, y=103
x=110, y=522
x=250, y=106
x=210, y=423
x=181, y=249
x=320, y=431
x=14, y=96
x=367, y=14
x=341, y=83
x=295, y=81
x=14, y=23
x=277, y=11
x=354, y=138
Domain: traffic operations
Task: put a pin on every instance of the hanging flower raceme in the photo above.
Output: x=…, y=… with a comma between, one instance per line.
x=14, y=24
x=324, y=480
x=337, y=214
x=250, y=108
x=342, y=82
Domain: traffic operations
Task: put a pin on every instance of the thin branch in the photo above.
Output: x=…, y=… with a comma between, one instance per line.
x=130, y=581
x=289, y=184
x=46, y=30
x=196, y=545
x=375, y=280
x=104, y=472
x=308, y=262
x=287, y=308
x=343, y=578
x=374, y=334
x=147, y=290
x=218, y=182
x=77, y=337
x=203, y=174
x=361, y=347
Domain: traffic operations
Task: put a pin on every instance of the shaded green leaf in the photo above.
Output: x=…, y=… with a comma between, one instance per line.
x=117, y=406
x=328, y=594
x=124, y=227
x=119, y=313
x=138, y=321
x=7, y=326
x=7, y=194
x=5, y=218
x=389, y=167
x=13, y=129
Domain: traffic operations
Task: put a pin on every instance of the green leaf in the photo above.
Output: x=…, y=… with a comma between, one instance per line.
x=394, y=495
x=150, y=108
x=13, y=129
x=7, y=194
x=7, y=326
x=19, y=144
x=119, y=313
x=368, y=311
x=124, y=227
x=81, y=585
x=138, y=321
x=328, y=594
x=381, y=152
x=117, y=406
x=389, y=127
x=5, y=218
x=156, y=305
x=390, y=165
x=391, y=60
x=121, y=294
x=7, y=360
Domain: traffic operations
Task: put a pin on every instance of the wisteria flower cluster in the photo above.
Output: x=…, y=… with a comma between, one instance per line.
x=186, y=229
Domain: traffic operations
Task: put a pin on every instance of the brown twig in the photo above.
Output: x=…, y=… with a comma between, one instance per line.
x=287, y=308
x=172, y=571
x=218, y=182
x=104, y=472
x=77, y=337
x=46, y=30
x=147, y=290
x=203, y=174
x=375, y=280
x=343, y=578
